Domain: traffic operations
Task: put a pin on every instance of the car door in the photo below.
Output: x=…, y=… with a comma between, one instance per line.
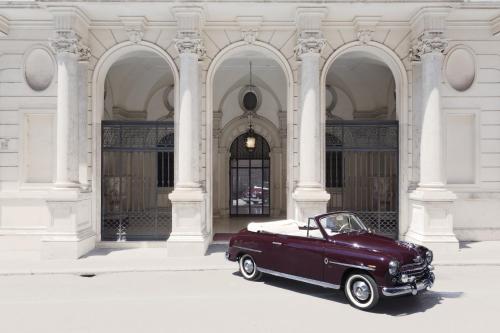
x=305, y=257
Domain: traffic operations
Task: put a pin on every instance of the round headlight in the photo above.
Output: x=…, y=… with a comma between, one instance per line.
x=393, y=267
x=429, y=256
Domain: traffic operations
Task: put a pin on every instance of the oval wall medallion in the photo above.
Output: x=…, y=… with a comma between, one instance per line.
x=39, y=69
x=460, y=69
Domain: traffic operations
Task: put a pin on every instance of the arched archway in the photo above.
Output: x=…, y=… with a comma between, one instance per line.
x=156, y=146
x=389, y=58
x=212, y=145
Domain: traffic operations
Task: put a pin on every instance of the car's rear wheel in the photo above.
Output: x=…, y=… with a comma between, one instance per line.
x=361, y=291
x=248, y=268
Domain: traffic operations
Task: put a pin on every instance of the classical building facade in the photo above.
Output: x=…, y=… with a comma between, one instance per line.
x=130, y=122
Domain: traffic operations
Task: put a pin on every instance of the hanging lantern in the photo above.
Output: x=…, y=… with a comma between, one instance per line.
x=250, y=140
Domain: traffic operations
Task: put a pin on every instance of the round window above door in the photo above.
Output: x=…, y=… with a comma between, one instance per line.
x=250, y=98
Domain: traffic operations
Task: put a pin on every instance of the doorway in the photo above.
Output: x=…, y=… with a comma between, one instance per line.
x=249, y=178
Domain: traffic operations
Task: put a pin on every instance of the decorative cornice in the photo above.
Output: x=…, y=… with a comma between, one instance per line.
x=134, y=26
x=4, y=26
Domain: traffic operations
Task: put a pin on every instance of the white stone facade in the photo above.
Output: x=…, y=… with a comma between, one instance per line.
x=59, y=79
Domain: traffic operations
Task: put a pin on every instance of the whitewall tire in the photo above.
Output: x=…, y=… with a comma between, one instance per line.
x=361, y=291
x=248, y=268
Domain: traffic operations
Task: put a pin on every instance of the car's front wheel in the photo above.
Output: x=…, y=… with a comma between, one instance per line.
x=361, y=291
x=248, y=268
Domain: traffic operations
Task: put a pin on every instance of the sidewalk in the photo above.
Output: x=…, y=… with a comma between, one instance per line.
x=101, y=261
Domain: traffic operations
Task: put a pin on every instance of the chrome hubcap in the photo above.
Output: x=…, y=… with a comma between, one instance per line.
x=361, y=290
x=248, y=266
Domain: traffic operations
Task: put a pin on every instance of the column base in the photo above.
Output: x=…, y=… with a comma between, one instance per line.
x=309, y=202
x=431, y=220
x=70, y=234
x=189, y=235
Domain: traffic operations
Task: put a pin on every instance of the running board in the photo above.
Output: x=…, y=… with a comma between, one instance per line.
x=298, y=278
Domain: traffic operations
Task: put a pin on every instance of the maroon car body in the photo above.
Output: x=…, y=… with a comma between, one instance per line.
x=330, y=260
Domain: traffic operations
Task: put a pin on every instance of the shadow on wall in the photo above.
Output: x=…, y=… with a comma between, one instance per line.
x=396, y=306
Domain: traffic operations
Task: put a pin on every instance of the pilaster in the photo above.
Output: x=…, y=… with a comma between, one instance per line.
x=310, y=196
x=431, y=220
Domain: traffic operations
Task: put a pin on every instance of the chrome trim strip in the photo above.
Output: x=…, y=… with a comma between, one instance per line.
x=301, y=279
x=350, y=265
x=247, y=249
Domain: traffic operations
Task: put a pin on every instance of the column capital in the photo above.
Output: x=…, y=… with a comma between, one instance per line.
x=188, y=39
x=190, y=45
x=64, y=42
x=428, y=44
x=309, y=43
x=310, y=37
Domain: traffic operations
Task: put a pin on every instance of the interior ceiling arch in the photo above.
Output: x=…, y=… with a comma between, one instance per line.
x=364, y=77
x=135, y=77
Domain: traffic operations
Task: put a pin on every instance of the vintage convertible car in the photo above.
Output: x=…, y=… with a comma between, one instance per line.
x=334, y=250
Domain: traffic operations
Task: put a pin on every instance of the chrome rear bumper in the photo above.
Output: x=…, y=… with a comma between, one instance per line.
x=412, y=288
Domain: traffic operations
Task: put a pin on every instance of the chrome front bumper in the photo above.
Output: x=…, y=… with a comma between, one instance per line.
x=412, y=288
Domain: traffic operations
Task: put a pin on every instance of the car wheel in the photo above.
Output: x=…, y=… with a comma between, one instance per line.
x=361, y=291
x=248, y=268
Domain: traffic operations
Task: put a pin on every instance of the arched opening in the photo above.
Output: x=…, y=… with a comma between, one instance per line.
x=250, y=87
x=362, y=137
x=135, y=164
x=249, y=177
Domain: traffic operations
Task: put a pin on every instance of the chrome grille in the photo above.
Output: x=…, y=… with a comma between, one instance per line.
x=417, y=270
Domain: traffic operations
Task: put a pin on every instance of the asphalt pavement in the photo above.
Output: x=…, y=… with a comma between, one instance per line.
x=464, y=299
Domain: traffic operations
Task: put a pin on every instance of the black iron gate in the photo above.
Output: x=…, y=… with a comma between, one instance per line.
x=136, y=177
x=362, y=162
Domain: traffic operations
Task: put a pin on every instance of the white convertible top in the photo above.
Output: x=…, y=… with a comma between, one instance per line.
x=284, y=227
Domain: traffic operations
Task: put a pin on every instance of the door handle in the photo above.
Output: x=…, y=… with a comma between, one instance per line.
x=277, y=243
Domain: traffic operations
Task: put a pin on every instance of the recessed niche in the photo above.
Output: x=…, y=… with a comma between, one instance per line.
x=460, y=69
x=39, y=69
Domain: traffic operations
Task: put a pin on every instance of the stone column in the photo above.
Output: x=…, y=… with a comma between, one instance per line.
x=189, y=232
x=310, y=196
x=65, y=46
x=431, y=220
x=70, y=233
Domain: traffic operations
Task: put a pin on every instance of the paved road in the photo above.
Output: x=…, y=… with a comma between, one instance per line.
x=464, y=299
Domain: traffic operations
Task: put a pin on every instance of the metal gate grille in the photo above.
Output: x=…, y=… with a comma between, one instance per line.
x=137, y=176
x=362, y=162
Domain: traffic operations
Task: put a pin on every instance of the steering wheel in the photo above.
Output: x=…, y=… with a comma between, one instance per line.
x=343, y=227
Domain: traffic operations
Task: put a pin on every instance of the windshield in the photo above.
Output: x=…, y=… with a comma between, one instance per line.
x=338, y=223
